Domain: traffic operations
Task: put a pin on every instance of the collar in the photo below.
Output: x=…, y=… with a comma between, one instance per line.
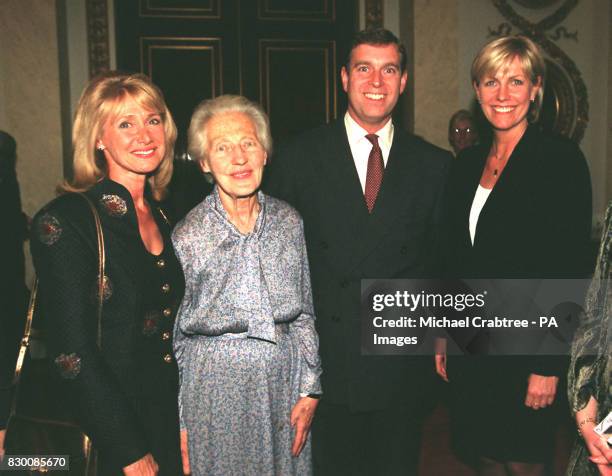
x=221, y=212
x=356, y=133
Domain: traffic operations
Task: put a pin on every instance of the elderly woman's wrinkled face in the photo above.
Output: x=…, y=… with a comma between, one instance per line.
x=235, y=157
x=505, y=96
x=133, y=141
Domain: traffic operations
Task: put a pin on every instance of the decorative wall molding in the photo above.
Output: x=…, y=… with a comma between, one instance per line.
x=97, y=36
x=573, y=118
x=561, y=32
x=503, y=29
x=374, y=14
x=546, y=23
x=535, y=4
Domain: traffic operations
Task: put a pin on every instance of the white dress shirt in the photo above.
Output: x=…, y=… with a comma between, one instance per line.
x=361, y=147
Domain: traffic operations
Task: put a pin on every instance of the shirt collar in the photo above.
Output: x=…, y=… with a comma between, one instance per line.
x=355, y=132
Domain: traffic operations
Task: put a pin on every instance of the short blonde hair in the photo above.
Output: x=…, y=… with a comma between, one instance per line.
x=207, y=109
x=100, y=101
x=500, y=52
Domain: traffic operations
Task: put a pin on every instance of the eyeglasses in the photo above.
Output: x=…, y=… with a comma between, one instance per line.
x=466, y=131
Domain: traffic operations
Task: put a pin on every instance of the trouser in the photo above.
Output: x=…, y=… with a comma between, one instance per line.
x=384, y=442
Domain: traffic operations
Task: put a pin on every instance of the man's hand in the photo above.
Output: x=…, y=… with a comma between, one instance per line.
x=440, y=358
x=145, y=466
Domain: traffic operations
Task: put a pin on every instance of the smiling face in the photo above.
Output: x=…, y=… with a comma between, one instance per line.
x=235, y=158
x=133, y=141
x=373, y=84
x=505, y=96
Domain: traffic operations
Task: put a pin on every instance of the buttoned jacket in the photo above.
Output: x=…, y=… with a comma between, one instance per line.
x=316, y=174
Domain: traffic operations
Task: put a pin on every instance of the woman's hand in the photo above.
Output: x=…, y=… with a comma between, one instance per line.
x=145, y=466
x=185, y=452
x=440, y=358
x=601, y=453
x=541, y=391
x=301, y=419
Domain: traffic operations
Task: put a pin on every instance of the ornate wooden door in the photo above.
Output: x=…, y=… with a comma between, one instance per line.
x=284, y=54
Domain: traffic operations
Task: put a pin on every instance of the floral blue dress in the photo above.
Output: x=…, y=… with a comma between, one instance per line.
x=245, y=340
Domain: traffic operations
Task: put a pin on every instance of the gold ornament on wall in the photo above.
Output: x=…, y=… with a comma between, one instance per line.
x=97, y=37
x=373, y=13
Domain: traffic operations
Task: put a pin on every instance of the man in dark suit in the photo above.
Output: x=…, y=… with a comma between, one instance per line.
x=370, y=196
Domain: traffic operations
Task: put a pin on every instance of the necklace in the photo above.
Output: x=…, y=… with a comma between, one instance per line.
x=498, y=162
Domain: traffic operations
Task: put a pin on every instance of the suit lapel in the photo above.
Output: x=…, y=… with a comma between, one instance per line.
x=508, y=185
x=340, y=194
x=340, y=172
x=400, y=183
x=361, y=231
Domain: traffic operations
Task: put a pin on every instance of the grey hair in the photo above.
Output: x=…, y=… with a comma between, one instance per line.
x=207, y=109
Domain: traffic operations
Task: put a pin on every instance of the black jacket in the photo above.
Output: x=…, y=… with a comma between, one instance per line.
x=13, y=291
x=317, y=175
x=535, y=223
x=125, y=396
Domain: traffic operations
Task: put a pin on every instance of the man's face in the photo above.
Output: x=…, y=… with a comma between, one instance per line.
x=373, y=84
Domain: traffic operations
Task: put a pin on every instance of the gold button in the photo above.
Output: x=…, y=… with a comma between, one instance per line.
x=165, y=288
x=161, y=263
x=165, y=336
x=167, y=312
x=167, y=358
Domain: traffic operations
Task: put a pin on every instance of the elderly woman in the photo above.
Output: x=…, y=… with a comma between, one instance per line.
x=519, y=207
x=245, y=339
x=124, y=393
x=590, y=374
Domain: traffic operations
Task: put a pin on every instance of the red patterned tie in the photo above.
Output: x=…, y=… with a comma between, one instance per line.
x=376, y=168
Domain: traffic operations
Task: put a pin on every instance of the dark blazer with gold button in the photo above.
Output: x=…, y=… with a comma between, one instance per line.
x=316, y=174
x=124, y=396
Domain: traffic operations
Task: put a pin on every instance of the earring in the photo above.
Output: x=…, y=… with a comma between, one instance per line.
x=100, y=147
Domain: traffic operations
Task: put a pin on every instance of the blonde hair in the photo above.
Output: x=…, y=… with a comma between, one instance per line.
x=101, y=100
x=499, y=53
x=207, y=109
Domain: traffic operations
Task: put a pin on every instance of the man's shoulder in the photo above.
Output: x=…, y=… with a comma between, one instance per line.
x=431, y=156
x=316, y=136
x=419, y=143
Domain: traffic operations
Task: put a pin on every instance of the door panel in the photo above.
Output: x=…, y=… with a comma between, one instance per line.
x=284, y=54
x=309, y=67
x=199, y=59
